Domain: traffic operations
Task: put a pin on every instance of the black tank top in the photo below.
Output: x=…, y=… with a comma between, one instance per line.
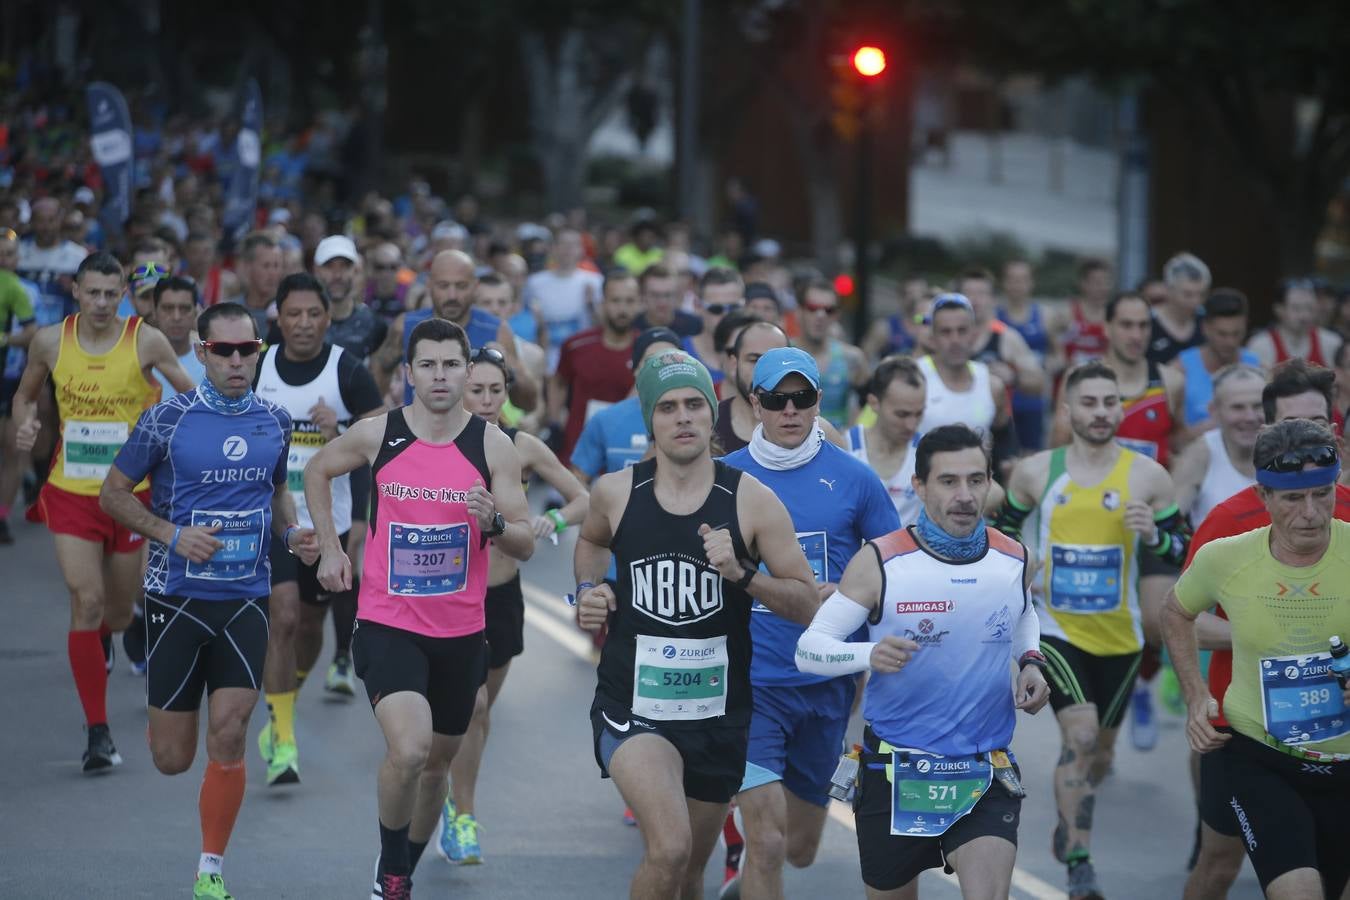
x=667, y=589
x=726, y=433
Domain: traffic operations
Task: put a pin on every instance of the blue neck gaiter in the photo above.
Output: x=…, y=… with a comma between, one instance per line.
x=220, y=403
x=943, y=544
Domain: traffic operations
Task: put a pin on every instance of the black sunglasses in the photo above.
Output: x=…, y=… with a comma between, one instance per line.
x=776, y=402
x=227, y=349
x=721, y=309
x=1294, y=460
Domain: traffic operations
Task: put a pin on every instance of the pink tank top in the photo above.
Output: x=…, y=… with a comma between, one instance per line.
x=426, y=563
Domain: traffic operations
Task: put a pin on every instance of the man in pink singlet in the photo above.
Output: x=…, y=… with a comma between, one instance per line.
x=445, y=483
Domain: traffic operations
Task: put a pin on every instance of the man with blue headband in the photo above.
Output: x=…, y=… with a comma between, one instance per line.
x=1285, y=766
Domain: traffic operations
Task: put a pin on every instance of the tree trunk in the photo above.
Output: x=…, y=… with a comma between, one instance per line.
x=565, y=112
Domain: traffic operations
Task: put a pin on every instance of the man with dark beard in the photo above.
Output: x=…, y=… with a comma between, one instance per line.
x=593, y=366
x=1097, y=508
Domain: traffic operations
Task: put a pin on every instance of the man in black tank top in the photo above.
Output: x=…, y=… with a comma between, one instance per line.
x=672, y=704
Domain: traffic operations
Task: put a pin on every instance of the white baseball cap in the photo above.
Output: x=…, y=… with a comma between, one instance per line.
x=333, y=247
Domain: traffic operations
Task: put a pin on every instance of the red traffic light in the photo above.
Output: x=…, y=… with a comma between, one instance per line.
x=869, y=61
x=843, y=285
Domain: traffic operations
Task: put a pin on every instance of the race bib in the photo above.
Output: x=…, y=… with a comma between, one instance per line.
x=428, y=560
x=89, y=448
x=680, y=678
x=1301, y=700
x=242, y=535
x=930, y=792
x=1086, y=578
x=305, y=445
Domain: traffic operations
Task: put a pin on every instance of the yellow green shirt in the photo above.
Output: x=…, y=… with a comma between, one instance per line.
x=1283, y=618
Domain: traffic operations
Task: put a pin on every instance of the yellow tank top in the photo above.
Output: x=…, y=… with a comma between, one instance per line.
x=99, y=397
x=1090, y=576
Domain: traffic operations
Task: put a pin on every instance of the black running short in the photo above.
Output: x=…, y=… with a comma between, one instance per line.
x=193, y=644
x=504, y=607
x=287, y=567
x=713, y=755
x=892, y=861
x=1215, y=809
x=446, y=671
x=1289, y=812
x=1077, y=676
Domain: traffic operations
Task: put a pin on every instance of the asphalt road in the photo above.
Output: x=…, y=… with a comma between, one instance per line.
x=551, y=828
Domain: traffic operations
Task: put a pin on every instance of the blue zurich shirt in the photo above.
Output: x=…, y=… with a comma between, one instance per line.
x=210, y=468
x=836, y=502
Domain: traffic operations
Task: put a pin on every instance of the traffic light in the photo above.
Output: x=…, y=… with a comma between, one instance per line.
x=854, y=74
x=869, y=61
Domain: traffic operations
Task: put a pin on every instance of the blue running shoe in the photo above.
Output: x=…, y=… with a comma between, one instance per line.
x=448, y=845
x=1143, y=726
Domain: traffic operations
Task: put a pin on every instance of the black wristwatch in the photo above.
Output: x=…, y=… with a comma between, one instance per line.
x=498, y=526
x=744, y=581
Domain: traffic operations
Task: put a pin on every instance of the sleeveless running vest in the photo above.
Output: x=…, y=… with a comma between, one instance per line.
x=1222, y=479
x=99, y=397
x=426, y=562
x=1314, y=356
x=1147, y=424
x=1199, y=383
x=1090, y=577
x=306, y=439
x=899, y=486
x=678, y=649
x=973, y=407
x=835, y=386
x=1084, y=340
x=954, y=697
x=482, y=329
x=899, y=340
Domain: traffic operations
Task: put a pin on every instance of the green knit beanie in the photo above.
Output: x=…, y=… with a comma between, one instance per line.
x=668, y=371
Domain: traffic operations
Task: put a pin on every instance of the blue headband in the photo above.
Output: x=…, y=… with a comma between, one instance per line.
x=1304, y=478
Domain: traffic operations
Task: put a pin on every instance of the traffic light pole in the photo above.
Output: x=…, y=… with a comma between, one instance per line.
x=862, y=228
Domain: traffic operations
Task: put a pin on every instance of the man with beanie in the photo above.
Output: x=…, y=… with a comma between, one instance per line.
x=672, y=707
x=798, y=719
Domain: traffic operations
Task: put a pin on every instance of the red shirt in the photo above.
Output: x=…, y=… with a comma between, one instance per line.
x=592, y=371
x=1239, y=514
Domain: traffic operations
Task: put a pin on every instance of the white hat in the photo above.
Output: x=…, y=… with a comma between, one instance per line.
x=279, y=216
x=333, y=247
x=83, y=194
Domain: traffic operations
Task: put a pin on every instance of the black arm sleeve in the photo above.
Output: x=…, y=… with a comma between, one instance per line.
x=1011, y=516
x=1174, y=536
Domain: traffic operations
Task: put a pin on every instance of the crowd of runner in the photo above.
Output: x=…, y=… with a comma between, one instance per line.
x=994, y=503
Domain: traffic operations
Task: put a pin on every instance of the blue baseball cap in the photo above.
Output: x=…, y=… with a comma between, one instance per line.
x=781, y=362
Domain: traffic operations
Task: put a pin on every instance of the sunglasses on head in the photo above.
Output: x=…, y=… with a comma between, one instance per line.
x=951, y=301
x=227, y=349
x=721, y=309
x=773, y=401
x=1294, y=460
x=493, y=356
x=149, y=270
